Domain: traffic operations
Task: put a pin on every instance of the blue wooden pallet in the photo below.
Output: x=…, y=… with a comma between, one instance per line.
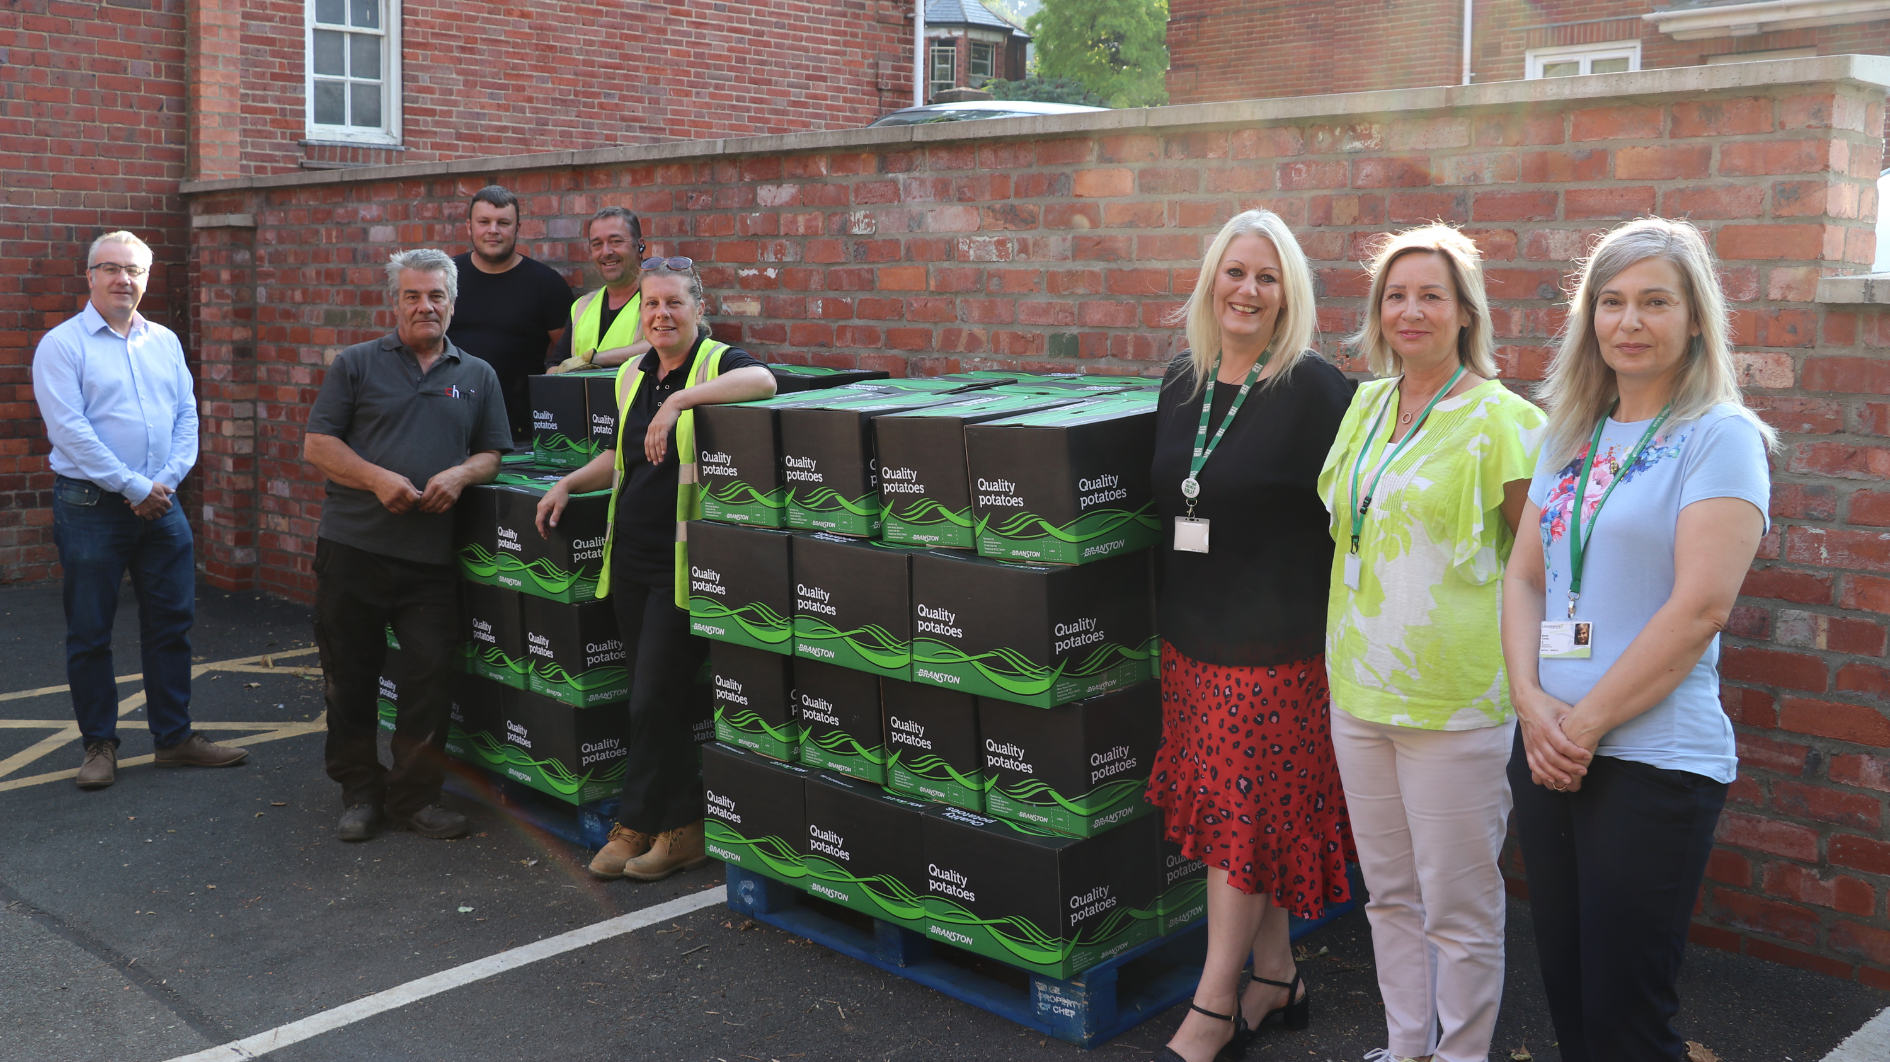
x=584, y=825
x=1089, y=1009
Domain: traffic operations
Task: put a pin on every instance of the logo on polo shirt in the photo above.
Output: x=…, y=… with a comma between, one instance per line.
x=454, y=392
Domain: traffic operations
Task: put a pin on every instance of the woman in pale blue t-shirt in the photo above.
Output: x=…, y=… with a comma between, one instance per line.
x=1611, y=621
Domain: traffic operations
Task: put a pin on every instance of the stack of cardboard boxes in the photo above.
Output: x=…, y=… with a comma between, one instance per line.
x=933, y=669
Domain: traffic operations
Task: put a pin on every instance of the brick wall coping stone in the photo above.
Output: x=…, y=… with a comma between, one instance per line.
x=1865, y=289
x=1870, y=70
x=223, y=221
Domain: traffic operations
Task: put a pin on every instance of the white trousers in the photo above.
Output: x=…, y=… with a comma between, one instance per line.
x=1429, y=811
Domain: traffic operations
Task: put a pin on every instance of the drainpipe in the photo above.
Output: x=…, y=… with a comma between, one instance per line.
x=918, y=52
x=1468, y=10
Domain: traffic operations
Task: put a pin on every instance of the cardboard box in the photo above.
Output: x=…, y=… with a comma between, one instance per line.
x=932, y=747
x=853, y=603
x=1067, y=485
x=841, y=725
x=791, y=379
x=575, y=653
x=755, y=814
x=565, y=566
x=1075, y=769
x=560, y=434
x=1182, y=896
x=924, y=485
x=830, y=465
x=495, y=634
x=864, y=850
x=577, y=755
x=931, y=385
x=741, y=585
x=477, y=732
x=1049, y=904
x=600, y=408
x=753, y=694
x=475, y=534
x=387, y=695
x=1030, y=633
x=738, y=458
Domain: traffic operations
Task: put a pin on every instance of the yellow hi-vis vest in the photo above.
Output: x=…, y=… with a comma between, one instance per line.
x=707, y=366
x=588, y=312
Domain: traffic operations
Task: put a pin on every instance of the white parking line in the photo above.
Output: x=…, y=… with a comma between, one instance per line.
x=413, y=991
x=1868, y=1044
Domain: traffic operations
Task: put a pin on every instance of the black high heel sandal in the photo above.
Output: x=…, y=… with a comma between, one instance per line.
x=1231, y=1050
x=1297, y=1012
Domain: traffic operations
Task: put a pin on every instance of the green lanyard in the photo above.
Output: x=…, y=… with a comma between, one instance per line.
x=1203, y=447
x=1577, y=545
x=1358, y=467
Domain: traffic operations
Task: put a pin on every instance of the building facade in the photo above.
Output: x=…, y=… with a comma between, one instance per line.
x=968, y=44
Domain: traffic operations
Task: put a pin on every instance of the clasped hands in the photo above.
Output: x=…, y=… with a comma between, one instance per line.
x=156, y=503
x=398, y=494
x=1559, y=750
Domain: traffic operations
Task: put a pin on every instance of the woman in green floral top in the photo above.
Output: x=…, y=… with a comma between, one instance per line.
x=1425, y=483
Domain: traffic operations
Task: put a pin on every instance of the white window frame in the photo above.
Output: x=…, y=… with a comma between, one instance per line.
x=996, y=54
x=933, y=48
x=388, y=135
x=1586, y=54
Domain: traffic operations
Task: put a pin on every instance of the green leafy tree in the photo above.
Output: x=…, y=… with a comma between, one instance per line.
x=1045, y=90
x=1118, y=49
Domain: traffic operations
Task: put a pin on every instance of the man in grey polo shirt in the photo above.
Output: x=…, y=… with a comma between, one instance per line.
x=409, y=408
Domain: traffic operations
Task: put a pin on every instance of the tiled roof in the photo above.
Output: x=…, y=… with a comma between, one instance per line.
x=965, y=13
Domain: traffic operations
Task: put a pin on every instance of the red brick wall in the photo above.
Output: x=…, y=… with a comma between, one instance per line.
x=1259, y=49
x=1067, y=252
x=490, y=78
x=91, y=139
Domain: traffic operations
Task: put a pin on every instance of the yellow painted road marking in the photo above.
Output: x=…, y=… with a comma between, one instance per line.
x=272, y=732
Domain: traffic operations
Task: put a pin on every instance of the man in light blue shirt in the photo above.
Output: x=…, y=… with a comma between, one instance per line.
x=121, y=413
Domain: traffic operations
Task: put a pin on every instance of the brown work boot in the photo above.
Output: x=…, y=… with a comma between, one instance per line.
x=673, y=851
x=196, y=751
x=623, y=845
x=100, y=768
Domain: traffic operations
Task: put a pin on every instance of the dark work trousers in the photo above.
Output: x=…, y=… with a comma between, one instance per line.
x=1614, y=869
x=357, y=594
x=662, y=783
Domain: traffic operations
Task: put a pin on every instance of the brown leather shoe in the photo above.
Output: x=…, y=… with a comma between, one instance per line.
x=672, y=852
x=623, y=845
x=196, y=751
x=100, y=768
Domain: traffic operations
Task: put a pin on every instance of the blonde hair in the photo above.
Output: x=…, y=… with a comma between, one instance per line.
x=1476, y=342
x=1580, y=388
x=120, y=236
x=1298, y=318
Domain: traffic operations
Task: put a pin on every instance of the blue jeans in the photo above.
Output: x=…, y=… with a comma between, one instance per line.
x=99, y=539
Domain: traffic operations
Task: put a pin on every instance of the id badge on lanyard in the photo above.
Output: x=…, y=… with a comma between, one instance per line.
x=1191, y=531
x=1191, y=534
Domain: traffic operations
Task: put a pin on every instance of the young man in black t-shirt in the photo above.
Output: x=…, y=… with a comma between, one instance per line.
x=512, y=309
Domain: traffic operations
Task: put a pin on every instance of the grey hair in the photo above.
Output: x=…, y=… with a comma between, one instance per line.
x=120, y=236
x=692, y=281
x=1476, y=343
x=1580, y=388
x=426, y=260
x=1298, y=319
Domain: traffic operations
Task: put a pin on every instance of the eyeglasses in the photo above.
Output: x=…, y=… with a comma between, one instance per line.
x=678, y=263
x=113, y=269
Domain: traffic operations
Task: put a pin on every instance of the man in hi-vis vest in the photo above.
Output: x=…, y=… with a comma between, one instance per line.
x=604, y=328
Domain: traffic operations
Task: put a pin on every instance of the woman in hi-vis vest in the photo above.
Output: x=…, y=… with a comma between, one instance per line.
x=659, y=819
x=606, y=325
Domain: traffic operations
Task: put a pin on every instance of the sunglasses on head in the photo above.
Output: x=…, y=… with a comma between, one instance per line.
x=678, y=263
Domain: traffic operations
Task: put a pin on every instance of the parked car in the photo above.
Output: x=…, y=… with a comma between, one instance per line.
x=974, y=109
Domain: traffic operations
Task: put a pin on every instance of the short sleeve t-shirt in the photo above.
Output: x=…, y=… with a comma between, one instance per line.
x=644, y=547
x=1418, y=643
x=506, y=320
x=1627, y=572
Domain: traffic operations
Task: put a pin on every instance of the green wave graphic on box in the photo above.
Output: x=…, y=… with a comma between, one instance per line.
x=774, y=853
x=385, y=713
x=1023, y=939
x=934, y=768
x=496, y=660
x=738, y=492
x=1184, y=895
x=762, y=623
x=888, y=892
x=482, y=565
x=841, y=743
x=1009, y=669
x=748, y=721
x=1037, y=793
x=498, y=755
x=829, y=500
x=559, y=445
x=583, y=681
x=875, y=644
x=927, y=512
x=478, y=562
x=1027, y=526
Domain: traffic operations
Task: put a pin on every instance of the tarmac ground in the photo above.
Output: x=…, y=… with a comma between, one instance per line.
x=177, y=911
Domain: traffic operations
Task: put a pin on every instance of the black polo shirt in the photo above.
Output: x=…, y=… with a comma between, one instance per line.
x=376, y=400
x=645, y=547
